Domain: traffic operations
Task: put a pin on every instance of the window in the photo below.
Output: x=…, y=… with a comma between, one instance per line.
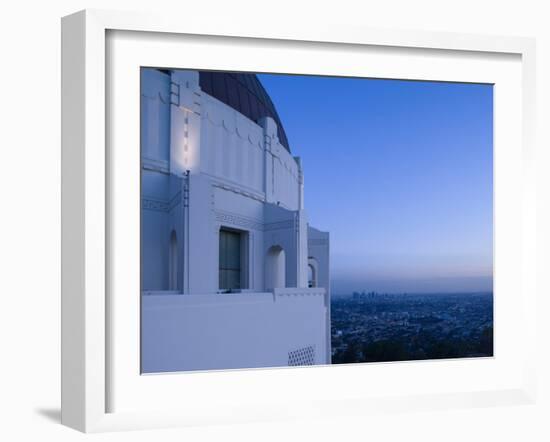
x=231, y=259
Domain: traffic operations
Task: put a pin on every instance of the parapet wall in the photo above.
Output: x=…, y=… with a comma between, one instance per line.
x=236, y=330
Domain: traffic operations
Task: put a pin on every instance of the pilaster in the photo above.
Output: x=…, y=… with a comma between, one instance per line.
x=185, y=122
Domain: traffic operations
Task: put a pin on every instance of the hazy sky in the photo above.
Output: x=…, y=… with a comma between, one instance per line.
x=401, y=175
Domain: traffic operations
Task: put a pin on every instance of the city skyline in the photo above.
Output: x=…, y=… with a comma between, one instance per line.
x=401, y=174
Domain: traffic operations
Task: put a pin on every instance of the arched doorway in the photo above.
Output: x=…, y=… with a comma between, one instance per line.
x=312, y=272
x=275, y=270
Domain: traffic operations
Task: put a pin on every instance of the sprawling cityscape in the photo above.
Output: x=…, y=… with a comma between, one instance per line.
x=399, y=198
x=377, y=327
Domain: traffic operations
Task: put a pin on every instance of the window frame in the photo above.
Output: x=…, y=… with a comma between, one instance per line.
x=244, y=262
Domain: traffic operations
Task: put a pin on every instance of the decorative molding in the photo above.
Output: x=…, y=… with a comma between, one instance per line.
x=175, y=201
x=160, y=205
x=287, y=292
x=250, y=223
x=174, y=93
x=231, y=121
x=238, y=220
x=158, y=95
x=247, y=193
x=155, y=165
x=186, y=189
x=155, y=205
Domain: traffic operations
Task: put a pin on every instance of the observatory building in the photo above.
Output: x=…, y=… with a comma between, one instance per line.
x=232, y=274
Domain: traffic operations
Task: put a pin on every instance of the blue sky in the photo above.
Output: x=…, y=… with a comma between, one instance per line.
x=401, y=175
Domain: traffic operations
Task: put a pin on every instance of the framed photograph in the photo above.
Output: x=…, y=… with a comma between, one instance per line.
x=270, y=222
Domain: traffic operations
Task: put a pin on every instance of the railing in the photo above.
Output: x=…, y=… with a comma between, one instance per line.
x=293, y=292
x=299, y=291
x=286, y=291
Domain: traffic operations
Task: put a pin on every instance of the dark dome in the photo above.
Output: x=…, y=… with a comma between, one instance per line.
x=245, y=94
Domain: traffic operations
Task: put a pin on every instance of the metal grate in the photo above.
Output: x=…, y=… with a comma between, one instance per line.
x=302, y=356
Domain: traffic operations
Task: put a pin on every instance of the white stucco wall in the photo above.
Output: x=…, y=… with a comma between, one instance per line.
x=224, y=331
x=232, y=146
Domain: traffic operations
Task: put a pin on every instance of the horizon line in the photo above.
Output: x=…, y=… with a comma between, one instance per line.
x=475, y=292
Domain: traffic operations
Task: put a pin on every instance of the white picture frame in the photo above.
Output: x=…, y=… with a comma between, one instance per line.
x=88, y=362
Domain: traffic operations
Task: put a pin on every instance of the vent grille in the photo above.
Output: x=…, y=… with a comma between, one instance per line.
x=302, y=356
